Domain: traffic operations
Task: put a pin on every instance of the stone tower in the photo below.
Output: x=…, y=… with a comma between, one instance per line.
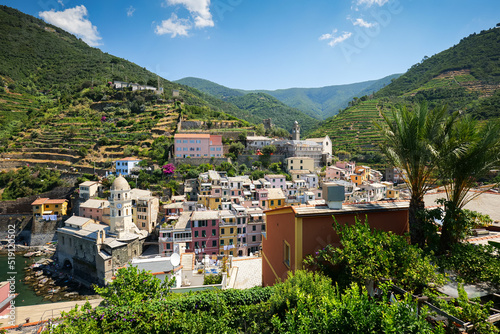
x=296, y=131
x=120, y=204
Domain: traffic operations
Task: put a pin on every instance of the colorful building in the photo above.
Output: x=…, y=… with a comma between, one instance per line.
x=299, y=163
x=96, y=209
x=276, y=180
x=49, y=207
x=205, y=232
x=125, y=166
x=198, y=145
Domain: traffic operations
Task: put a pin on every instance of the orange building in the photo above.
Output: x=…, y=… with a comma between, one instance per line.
x=292, y=233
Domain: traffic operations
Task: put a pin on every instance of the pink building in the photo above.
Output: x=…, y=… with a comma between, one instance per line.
x=96, y=209
x=335, y=173
x=5, y=298
x=348, y=166
x=277, y=181
x=205, y=232
x=198, y=145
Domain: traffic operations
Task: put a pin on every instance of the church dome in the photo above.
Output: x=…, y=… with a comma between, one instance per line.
x=120, y=184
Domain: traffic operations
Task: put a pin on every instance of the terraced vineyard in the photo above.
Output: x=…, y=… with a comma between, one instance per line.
x=98, y=133
x=352, y=130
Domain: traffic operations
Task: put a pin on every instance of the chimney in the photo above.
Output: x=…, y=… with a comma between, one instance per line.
x=334, y=195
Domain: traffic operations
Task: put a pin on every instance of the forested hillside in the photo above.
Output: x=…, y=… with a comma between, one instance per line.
x=57, y=105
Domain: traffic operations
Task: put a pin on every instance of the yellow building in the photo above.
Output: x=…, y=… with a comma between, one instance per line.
x=228, y=233
x=299, y=163
x=392, y=193
x=275, y=198
x=47, y=207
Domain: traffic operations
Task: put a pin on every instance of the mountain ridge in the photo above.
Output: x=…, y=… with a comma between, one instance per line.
x=317, y=102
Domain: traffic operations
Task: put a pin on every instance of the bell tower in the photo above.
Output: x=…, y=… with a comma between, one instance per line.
x=120, y=205
x=296, y=131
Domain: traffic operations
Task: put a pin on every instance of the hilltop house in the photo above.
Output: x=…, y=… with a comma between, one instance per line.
x=125, y=166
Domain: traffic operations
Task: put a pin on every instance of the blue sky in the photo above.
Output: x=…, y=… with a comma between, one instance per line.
x=273, y=44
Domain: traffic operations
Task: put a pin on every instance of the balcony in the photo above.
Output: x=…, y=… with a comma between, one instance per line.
x=185, y=239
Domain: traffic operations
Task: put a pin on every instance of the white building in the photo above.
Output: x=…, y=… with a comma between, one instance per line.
x=124, y=166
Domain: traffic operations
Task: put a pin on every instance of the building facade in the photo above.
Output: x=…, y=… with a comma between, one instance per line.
x=125, y=166
x=198, y=145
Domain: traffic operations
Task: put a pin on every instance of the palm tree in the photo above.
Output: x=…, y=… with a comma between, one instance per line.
x=469, y=153
x=410, y=138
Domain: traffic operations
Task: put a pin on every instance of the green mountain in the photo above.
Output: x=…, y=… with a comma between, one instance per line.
x=56, y=105
x=259, y=106
x=465, y=77
x=326, y=101
x=318, y=103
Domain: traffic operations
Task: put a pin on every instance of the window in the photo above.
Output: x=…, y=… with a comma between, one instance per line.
x=214, y=243
x=178, y=141
x=244, y=240
x=191, y=141
x=222, y=242
x=263, y=227
x=168, y=246
x=221, y=231
x=203, y=233
x=239, y=230
x=254, y=228
x=198, y=141
x=279, y=202
x=214, y=233
x=196, y=245
x=213, y=222
x=184, y=141
x=231, y=230
x=254, y=238
x=196, y=234
x=286, y=253
x=263, y=203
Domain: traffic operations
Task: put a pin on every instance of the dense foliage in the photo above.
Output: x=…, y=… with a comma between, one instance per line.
x=473, y=263
x=373, y=255
x=305, y=303
x=28, y=181
x=264, y=106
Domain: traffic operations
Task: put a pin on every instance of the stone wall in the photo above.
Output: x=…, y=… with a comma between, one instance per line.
x=248, y=159
x=199, y=161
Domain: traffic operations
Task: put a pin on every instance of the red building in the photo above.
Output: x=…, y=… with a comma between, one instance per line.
x=292, y=233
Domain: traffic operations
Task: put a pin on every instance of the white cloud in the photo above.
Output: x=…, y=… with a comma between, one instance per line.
x=370, y=3
x=74, y=21
x=173, y=26
x=328, y=36
x=334, y=40
x=199, y=9
x=130, y=11
x=362, y=23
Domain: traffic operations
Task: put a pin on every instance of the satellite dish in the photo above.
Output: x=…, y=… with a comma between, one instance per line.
x=175, y=259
